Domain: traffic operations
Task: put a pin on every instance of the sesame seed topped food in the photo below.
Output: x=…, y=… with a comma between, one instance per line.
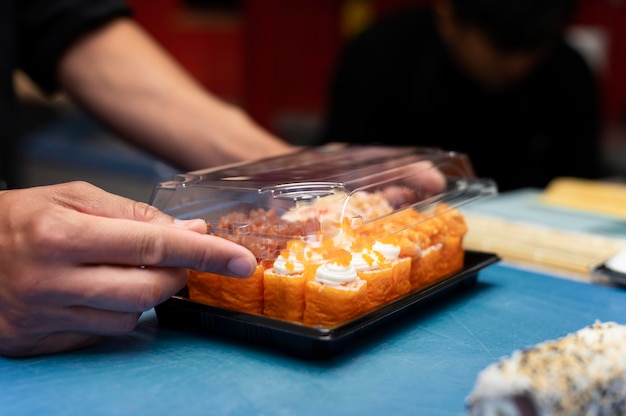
x=583, y=373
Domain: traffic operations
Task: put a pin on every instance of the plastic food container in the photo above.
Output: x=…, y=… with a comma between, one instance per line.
x=346, y=237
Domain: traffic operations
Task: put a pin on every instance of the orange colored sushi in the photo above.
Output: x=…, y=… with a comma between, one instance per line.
x=330, y=303
x=204, y=287
x=283, y=284
x=401, y=272
x=329, y=306
x=445, y=255
x=426, y=270
x=392, y=249
x=379, y=277
x=283, y=295
x=379, y=283
x=239, y=294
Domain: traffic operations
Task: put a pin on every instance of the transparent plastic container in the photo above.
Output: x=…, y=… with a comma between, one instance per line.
x=316, y=206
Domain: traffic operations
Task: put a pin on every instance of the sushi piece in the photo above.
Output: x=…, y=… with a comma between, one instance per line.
x=453, y=251
x=204, y=287
x=371, y=266
x=583, y=373
x=336, y=294
x=440, y=238
x=401, y=277
x=239, y=294
x=283, y=283
x=390, y=275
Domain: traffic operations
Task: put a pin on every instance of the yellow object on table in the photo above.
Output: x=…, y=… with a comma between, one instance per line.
x=574, y=253
x=588, y=195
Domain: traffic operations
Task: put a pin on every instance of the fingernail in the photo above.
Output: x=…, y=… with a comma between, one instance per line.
x=241, y=266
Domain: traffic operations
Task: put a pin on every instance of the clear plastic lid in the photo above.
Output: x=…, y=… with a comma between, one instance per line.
x=321, y=193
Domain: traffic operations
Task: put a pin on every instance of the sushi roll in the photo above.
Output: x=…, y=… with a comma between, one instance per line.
x=371, y=266
x=283, y=284
x=400, y=284
x=336, y=294
x=239, y=294
x=583, y=373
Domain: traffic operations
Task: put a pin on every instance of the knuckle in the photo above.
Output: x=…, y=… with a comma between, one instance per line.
x=150, y=295
x=144, y=211
x=152, y=249
x=16, y=334
x=153, y=293
x=48, y=232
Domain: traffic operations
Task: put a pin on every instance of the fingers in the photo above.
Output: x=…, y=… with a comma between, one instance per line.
x=428, y=178
x=70, y=329
x=52, y=330
x=50, y=344
x=126, y=242
x=94, y=322
x=123, y=232
x=112, y=288
x=95, y=201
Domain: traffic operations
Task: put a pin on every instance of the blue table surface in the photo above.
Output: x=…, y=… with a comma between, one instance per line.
x=424, y=363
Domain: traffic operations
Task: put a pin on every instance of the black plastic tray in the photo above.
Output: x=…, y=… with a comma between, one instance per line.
x=303, y=341
x=607, y=276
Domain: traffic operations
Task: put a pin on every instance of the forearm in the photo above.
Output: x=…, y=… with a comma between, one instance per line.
x=133, y=86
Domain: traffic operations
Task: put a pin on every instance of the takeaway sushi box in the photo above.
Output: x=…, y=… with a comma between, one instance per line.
x=346, y=237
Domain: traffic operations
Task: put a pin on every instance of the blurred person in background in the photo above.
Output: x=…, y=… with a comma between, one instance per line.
x=78, y=262
x=490, y=78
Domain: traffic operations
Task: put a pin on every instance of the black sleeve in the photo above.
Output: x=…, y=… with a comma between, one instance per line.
x=369, y=89
x=46, y=29
x=350, y=97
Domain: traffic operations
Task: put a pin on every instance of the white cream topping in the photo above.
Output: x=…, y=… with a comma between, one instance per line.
x=334, y=274
x=287, y=266
x=361, y=264
x=391, y=252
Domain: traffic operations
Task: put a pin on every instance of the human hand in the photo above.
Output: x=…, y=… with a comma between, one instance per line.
x=424, y=181
x=79, y=263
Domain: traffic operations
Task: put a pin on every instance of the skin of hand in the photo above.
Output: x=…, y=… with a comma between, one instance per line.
x=426, y=180
x=132, y=85
x=79, y=263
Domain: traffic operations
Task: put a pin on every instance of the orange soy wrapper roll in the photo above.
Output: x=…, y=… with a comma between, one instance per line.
x=204, y=287
x=379, y=284
x=329, y=306
x=442, y=261
x=240, y=294
x=370, y=266
x=336, y=294
x=453, y=256
x=388, y=252
x=438, y=262
x=444, y=253
x=401, y=277
x=420, y=237
x=283, y=284
x=431, y=263
x=453, y=218
x=418, y=272
x=243, y=294
x=283, y=296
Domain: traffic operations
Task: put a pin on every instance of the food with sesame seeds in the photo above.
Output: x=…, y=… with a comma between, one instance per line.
x=582, y=373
